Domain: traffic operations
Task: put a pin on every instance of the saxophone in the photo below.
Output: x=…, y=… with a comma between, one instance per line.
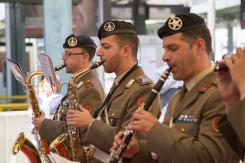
x=39, y=154
x=77, y=152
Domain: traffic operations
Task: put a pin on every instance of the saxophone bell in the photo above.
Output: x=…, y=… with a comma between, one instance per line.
x=26, y=146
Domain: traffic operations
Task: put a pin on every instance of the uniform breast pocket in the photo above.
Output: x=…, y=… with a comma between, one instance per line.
x=190, y=128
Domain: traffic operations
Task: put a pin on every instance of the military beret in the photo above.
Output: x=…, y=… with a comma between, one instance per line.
x=79, y=41
x=116, y=27
x=180, y=23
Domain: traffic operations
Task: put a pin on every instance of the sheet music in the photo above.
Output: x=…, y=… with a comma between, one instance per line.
x=16, y=70
x=47, y=68
x=58, y=159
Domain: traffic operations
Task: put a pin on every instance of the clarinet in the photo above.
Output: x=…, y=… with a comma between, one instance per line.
x=128, y=134
x=220, y=67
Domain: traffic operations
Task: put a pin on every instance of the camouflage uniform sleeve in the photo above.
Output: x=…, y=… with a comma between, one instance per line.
x=207, y=146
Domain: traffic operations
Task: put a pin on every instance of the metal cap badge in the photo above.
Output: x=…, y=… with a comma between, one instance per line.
x=109, y=26
x=72, y=41
x=175, y=23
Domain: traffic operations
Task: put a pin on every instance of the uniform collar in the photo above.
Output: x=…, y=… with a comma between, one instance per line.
x=191, y=83
x=119, y=77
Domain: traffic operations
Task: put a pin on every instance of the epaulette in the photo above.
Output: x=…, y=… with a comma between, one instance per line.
x=143, y=80
x=88, y=84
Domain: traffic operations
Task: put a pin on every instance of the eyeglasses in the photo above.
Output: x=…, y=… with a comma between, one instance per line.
x=69, y=53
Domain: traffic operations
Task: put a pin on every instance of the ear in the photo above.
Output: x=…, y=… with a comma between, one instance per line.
x=86, y=56
x=200, y=45
x=126, y=50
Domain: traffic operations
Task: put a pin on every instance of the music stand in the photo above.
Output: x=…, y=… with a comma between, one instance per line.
x=16, y=70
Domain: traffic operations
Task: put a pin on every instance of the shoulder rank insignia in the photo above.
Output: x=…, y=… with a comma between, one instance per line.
x=143, y=80
x=79, y=84
x=128, y=85
x=88, y=84
x=215, y=123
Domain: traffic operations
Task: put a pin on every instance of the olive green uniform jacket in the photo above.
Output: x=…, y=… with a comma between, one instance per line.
x=129, y=95
x=193, y=137
x=90, y=95
x=232, y=126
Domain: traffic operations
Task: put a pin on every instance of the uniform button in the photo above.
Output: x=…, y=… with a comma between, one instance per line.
x=182, y=130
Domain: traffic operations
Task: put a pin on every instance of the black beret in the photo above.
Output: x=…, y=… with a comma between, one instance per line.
x=116, y=27
x=79, y=41
x=180, y=23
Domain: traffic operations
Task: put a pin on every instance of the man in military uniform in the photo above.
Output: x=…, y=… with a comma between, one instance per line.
x=231, y=82
x=78, y=53
x=188, y=134
x=119, y=44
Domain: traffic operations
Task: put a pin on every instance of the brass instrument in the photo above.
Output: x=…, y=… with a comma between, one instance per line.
x=27, y=148
x=78, y=153
x=128, y=134
x=39, y=154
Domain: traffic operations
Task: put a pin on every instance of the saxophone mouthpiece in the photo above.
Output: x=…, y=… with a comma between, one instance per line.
x=97, y=64
x=60, y=67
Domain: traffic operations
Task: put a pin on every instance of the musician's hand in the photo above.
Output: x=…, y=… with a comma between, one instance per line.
x=79, y=118
x=237, y=67
x=142, y=121
x=38, y=121
x=132, y=148
x=231, y=83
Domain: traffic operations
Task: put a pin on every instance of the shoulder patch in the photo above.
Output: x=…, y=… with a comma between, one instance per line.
x=88, y=84
x=143, y=80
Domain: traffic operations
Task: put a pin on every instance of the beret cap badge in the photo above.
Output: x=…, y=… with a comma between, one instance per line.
x=109, y=26
x=72, y=42
x=175, y=23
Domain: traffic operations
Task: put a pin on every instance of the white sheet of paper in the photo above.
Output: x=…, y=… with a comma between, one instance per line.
x=47, y=67
x=55, y=158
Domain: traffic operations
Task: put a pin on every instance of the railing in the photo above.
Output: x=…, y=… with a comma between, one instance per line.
x=13, y=106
